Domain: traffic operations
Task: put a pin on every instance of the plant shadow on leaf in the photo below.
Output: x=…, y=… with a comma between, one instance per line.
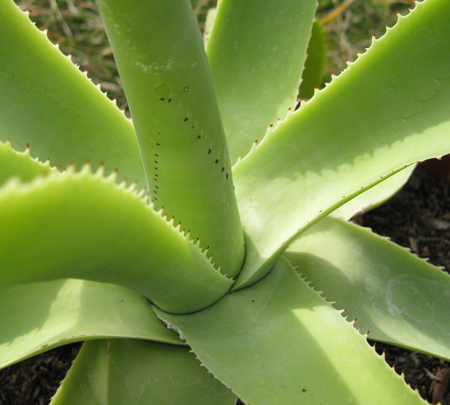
x=281, y=310
x=40, y=296
x=96, y=311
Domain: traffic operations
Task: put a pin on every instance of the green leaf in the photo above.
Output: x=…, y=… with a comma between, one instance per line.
x=285, y=344
x=96, y=311
x=160, y=56
x=125, y=371
x=315, y=62
x=46, y=102
x=20, y=165
x=375, y=196
x=373, y=120
x=400, y=299
x=256, y=51
x=87, y=380
x=81, y=225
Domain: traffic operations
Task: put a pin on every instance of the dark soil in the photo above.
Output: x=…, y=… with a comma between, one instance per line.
x=35, y=381
x=418, y=217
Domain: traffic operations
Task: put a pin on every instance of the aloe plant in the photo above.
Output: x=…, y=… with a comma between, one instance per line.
x=188, y=247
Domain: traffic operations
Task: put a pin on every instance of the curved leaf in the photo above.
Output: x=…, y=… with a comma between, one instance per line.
x=46, y=102
x=87, y=380
x=20, y=164
x=375, y=196
x=256, y=51
x=386, y=111
x=279, y=342
x=400, y=299
x=160, y=56
x=81, y=225
x=54, y=313
x=125, y=371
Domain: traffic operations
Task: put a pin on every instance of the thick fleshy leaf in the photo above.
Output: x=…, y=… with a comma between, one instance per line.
x=387, y=110
x=162, y=63
x=256, y=51
x=280, y=342
x=54, y=313
x=375, y=196
x=46, y=102
x=81, y=225
x=124, y=371
x=87, y=380
x=20, y=165
x=400, y=299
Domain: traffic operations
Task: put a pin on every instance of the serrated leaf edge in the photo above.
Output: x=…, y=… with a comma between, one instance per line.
x=15, y=185
x=44, y=32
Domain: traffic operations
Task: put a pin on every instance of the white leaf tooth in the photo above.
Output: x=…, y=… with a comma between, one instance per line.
x=254, y=146
x=178, y=226
x=86, y=169
x=132, y=188
x=302, y=103
x=124, y=184
x=160, y=211
x=143, y=195
x=316, y=91
x=70, y=170
x=27, y=152
x=100, y=172
x=47, y=163
x=373, y=40
x=238, y=160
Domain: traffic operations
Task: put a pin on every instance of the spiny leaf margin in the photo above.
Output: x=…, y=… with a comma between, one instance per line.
x=397, y=297
x=68, y=119
x=83, y=225
x=97, y=311
x=281, y=311
x=323, y=155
